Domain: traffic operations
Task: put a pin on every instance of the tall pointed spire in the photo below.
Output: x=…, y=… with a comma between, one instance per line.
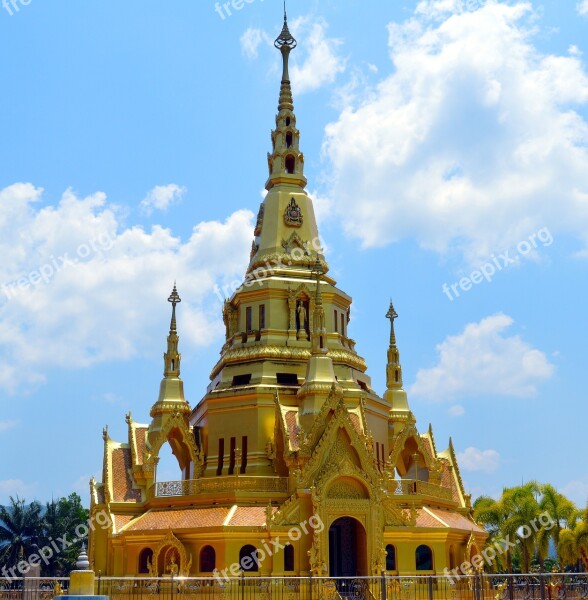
x=172, y=357
x=286, y=162
x=395, y=394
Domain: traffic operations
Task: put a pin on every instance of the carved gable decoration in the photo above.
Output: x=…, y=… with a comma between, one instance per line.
x=349, y=489
x=293, y=214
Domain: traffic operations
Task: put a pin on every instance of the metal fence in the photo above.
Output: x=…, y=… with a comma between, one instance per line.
x=479, y=587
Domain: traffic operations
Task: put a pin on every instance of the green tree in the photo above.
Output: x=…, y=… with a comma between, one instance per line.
x=20, y=531
x=562, y=511
x=61, y=518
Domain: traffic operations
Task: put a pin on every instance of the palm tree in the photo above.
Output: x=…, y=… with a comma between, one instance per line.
x=492, y=515
x=562, y=511
x=20, y=529
x=573, y=541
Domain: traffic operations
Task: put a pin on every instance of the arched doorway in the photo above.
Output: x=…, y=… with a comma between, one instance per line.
x=347, y=548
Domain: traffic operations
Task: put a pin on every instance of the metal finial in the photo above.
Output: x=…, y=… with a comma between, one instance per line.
x=285, y=38
x=174, y=297
x=391, y=314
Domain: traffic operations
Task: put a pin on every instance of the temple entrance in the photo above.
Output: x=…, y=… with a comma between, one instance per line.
x=347, y=548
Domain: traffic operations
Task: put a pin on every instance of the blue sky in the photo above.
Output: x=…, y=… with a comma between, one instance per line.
x=442, y=138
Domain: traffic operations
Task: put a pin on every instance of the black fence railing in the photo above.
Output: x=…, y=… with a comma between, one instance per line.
x=547, y=586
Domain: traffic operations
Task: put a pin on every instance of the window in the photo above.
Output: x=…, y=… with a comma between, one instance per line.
x=290, y=164
x=288, y=121
x=289, y=558
x=232, y=456
x=145, y=558
x=243, y=454
x=424, y=558
x=207, y=559
x=248, y=318
x=248, y=560
x=289, y=139
x=241, y=380
x=390, y=558
x=342, y=324
x=221, y=456
x=287, y=378
x=262, y=316
x=335, y=321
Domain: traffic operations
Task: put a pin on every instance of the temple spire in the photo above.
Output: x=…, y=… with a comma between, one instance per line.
x=395, y=394
x=286, y=162
x=172, y=357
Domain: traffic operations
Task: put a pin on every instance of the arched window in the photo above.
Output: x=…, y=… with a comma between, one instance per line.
x=288, y=121
x=145, y=559
x=424, y=558
x=207, y=559
x=289, y=139
x=290, y=164
x=289, y=558
x=390, y=558
x=248, y=560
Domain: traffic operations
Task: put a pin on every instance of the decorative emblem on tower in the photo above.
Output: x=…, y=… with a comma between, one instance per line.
x=293, y=214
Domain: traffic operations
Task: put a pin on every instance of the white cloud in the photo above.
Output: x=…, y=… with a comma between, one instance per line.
x=161, y=197
x=457, y=410
x=472, y=143
x=322, y=62
x=483, y=360
x=251, y=40
x=78, y=288
x=316, y=61
x=14, y=488
x=473, y=459
x=7, y=425
x=582, y=7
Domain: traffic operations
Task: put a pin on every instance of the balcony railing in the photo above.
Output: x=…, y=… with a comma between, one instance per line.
x=408, y=487
x=191, y=487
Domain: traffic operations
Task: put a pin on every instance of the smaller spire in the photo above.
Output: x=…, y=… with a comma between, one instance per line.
x=393, y=370
x=172, y=356
x=285, y=43
x=319, y=331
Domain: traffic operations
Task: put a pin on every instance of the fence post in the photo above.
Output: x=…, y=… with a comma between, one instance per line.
x=99, y=582
x=242, y=585
x=542, y=585
x=172, y=586
x=430, y=582
x=310, y=585
x=383, y=585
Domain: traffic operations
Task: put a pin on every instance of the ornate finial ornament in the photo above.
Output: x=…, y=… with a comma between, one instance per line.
x=392, y=315
x=285, y=38
x=174, y=299
x=83, y=564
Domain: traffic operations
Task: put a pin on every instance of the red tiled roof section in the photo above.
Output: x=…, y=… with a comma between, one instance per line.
x=424, y=519
x=447, y=480
x=185, y=518
x=456, y=521
x=121, y=520
x=122, y=487
x=248, y=516
x=292, y=427
x=140, y=434
x=428, y=446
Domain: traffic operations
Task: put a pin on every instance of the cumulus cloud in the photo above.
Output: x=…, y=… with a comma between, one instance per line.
x=475, y=140
x=77, y=287
x=481, y=360
x=473, y=459
x=161, y=197
x=7, y=425
x=582, y=7
x=251, y=40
